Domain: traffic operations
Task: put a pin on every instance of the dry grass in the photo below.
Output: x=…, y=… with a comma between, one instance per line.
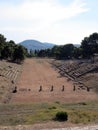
x=15, y=114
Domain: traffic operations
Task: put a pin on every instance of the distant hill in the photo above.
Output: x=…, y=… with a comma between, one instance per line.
x=36, y=45
x=77, y=45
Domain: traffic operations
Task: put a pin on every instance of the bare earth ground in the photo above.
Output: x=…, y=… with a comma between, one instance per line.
x=49, y=126
x=39, y=72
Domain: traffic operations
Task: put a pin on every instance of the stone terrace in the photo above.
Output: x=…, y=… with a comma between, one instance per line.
x=9, y=74
x=75, y=69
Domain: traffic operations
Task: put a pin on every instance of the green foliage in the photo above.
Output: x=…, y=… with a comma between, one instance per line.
x=29, y=113
x=82, y=103
x=61, y=116
x=77, y=52
x=59, y=52
x=7, y=51
x=11, y=51
x=56, y=51
x=2, y=44
x=89, y=45
x=57, y=102
x=19, y=53
x=51, y=108
x=67, y=51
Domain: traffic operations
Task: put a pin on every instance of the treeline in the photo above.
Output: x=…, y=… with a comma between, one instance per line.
x=11, y=51
x=87, y=49
x=17, y=53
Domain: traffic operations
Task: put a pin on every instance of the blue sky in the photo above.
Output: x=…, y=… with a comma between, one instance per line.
x=55, y=21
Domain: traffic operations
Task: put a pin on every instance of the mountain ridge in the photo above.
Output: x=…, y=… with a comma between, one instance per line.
x=31, y=44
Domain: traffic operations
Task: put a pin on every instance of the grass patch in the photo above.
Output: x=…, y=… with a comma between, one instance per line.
x=57, y=102
x=53, y=107
x=15, y=114
x=83, y=116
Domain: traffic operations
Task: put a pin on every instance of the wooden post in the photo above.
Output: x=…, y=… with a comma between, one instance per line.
x=40, y=88
x=74, y=88
x=52, y=88
x=88, y=89
x=15, y=89
x=63, y=88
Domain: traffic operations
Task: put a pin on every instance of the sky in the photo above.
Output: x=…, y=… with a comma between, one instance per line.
x=53, y=21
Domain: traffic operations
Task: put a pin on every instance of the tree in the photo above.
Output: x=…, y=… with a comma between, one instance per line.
x=11, y=51
x=77, y=52
x=2, y=39
x=58, y=52
x=55, y=51
x=93, y=41
x=7, y=52
x=42, y=53
x=89, y=45
x=19, y=53
x=2, y=44
x=66, y=51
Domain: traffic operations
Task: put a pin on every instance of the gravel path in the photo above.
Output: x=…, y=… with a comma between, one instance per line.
x=20, y=127
x=78, y=128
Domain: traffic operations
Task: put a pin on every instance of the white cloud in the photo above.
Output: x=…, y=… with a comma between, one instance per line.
x=38, y=16
x=30, y=10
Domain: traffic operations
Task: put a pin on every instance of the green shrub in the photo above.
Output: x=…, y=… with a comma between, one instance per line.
x=57, y=102
x=82, y=103
x=52, y=108
x=61, y=116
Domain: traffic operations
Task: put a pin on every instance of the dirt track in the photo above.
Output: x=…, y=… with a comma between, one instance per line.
x=38, y=72
x=44, y=127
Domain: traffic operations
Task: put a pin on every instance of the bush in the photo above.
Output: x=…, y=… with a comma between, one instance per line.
x=82, y=103
x=61, y=116
x=52, y=108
